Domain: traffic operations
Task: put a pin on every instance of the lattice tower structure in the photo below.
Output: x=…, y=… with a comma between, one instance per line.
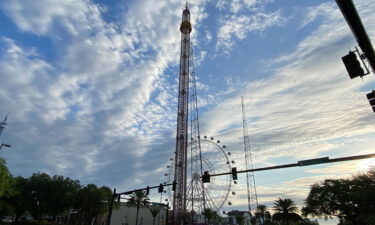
x=179, y=196
x=195, y=188
x=4, y=124
x=252, y=198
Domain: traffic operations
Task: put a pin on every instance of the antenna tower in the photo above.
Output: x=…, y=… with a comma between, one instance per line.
x=252, y=198
x=179, y=196
x=4, y=124
x=195, y=188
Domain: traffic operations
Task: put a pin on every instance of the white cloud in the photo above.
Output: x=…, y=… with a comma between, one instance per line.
x=239, y=26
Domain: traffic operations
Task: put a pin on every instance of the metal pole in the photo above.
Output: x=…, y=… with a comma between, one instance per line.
x=111, y=207
x=341, y=159
x=138, y=202
x=354, y=21
x=161, y=198
x=166, y=220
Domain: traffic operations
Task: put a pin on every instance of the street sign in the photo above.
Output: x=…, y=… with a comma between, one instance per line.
x=313, y=161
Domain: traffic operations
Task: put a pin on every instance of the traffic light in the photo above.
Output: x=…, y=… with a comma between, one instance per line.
x=234, y=173
x=353, y=66
x=161, y=188
x=206, y=177
x=118, y=198
x=147, y=190
x=371, y=98
x=174, y=185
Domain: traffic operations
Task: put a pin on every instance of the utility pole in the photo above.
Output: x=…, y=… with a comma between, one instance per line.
x=354, y=21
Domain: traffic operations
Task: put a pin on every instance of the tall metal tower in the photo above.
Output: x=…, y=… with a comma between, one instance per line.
x=4, y=124
x=252, y=198
x=179, y=196
x=195, y=189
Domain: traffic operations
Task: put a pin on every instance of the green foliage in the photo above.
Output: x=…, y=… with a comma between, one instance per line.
x=18, y=203
x=263, y=214
x=138, y=198
x=306, y=221
x=44, y=196
x=209, y=214
x=91, y=202
x=240, y=219
x=5, y=180
x=285, y=212
x=351, y=200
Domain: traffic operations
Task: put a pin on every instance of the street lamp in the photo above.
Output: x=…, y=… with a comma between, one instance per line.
x=4, y=145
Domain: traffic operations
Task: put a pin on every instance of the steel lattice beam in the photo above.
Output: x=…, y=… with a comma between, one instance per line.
x=179, y=196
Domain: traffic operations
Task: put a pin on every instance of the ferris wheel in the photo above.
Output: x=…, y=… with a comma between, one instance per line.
x=215, y=194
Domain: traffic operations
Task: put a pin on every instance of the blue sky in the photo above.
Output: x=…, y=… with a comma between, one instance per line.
x=93, y=88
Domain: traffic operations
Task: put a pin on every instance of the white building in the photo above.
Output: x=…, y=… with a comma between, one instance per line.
x=231, y=219
x=127, y=215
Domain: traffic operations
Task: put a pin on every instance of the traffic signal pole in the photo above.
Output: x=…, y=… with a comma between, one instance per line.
x=308, y=162
x=160, y=188
x=354, y=21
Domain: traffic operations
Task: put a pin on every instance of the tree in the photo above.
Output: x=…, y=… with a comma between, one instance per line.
x=209, y=214
x=306, y=221
x=263, y=214
x=154, y=212
x=240, y=218
x=62, y=196
x=138, y=199
x=18, y=202
x=39, y=192
x=6, y=179
x=91, y=202
x=285, y=212
x=6, y=187
x=351, y=200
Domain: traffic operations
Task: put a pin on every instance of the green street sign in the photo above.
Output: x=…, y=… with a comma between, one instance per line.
x=313, y=161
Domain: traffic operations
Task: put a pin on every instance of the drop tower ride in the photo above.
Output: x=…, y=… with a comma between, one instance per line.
x=179, y=196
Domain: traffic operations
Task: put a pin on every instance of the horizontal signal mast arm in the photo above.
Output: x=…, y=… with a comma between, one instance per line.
x=308, y=162
x=142, y=189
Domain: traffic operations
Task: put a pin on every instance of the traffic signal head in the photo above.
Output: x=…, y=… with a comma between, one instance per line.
x=206, y=177
x=234, y=173
x=147, y=190
x=353, y=66
x=371, y=98
x=161, y=188
x=174, y=185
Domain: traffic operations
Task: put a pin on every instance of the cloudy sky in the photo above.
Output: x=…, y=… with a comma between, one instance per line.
x=92, y=85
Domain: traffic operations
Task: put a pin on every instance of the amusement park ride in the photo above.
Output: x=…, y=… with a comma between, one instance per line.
x=195, y=153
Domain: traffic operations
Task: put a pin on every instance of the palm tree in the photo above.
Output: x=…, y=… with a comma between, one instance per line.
x=154, y=213
x=240, y=219
x=285, y=212
x=138, y=199
x=262, y=214
x=209, y=214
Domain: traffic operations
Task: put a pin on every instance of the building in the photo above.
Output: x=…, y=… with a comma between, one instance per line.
x=127, y=215
x=231, y=219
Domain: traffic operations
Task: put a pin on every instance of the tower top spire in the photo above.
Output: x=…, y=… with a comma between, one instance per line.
x=186, y=5
x=4, y=123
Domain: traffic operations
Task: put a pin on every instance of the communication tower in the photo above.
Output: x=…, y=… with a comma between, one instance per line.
x=4, y=124
x=252, y=198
